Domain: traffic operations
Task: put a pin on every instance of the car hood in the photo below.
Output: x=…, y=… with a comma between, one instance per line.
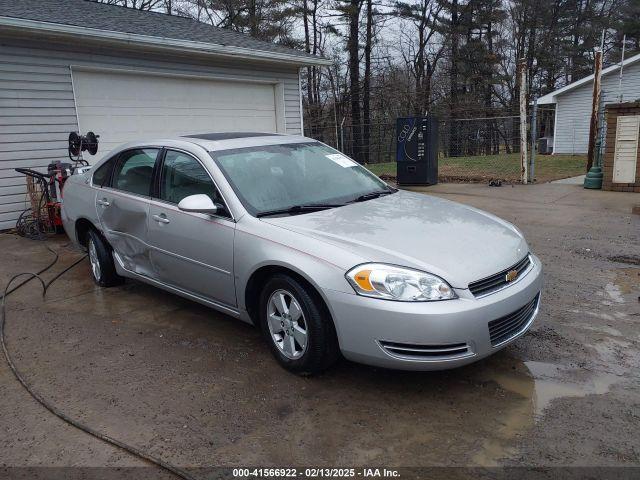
x=458, y=243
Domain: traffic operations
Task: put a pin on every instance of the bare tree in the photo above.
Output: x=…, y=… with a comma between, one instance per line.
x=351, y=11
x=366, y=90
x=453, y=58
x=137, y=4
x=420, y=53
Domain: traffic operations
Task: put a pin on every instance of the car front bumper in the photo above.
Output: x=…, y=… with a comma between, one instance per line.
x=431, y=335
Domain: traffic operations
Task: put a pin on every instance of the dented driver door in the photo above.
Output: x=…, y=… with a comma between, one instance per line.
x=123, y=208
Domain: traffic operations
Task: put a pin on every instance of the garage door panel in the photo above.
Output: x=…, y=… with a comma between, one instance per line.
x=174, y=124
x=122, y=107
x=230, y=101
x=141, y=112
x=103, y=89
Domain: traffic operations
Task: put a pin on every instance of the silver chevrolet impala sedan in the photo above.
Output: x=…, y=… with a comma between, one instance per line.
x=294, y=237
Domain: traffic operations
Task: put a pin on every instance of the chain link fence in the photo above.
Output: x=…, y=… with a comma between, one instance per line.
x=470, y=149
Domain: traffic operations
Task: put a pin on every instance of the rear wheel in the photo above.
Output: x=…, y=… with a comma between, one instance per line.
x=297, y=327
x=103, y=269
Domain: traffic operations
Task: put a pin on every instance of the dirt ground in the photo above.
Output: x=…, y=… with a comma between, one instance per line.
x=200, y=389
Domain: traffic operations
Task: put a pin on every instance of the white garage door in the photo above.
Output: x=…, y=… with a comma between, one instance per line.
x=121, y=107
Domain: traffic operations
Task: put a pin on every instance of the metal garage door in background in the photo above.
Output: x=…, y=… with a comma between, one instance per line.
x=125, y=106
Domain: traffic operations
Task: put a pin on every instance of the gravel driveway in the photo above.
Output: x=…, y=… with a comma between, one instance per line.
x=199, y=389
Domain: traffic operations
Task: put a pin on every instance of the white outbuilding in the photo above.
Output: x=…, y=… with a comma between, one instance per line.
x=573, y=104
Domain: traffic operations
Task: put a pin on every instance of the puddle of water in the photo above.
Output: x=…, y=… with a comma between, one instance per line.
x=625, y=281
x=536, y=386
x=547, y=381
x=551, y=382
x=628, y=279
x=517, y=418
x=614, y=292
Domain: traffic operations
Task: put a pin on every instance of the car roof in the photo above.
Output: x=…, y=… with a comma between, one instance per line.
x=223, y=141
x=233, y=140
x=228, y=135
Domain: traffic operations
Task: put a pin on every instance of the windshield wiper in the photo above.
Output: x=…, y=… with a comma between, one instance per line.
x=376, y=194
x=311, y=207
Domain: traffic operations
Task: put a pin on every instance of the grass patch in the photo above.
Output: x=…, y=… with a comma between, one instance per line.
x=499, y=167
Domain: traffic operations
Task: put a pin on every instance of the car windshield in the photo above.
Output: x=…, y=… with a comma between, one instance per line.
x=274, y=178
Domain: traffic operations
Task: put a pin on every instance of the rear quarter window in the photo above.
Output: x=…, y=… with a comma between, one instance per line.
x=102, y=174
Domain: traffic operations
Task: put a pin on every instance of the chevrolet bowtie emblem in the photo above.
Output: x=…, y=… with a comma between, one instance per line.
x=511, y=275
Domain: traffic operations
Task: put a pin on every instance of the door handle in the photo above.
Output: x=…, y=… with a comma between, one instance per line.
x=161, y=218
x=103, y=202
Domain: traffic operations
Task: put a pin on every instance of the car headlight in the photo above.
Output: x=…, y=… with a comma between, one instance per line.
x=398, y=283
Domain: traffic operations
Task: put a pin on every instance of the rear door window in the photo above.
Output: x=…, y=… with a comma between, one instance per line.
x=134, y=173
x=102, y=175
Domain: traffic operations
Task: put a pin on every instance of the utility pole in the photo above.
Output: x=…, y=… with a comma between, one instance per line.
x=522, y=78
x=595, y=104
x=624, y=42
x=534, y=138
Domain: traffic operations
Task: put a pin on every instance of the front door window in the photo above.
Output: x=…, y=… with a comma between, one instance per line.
x=182, y=176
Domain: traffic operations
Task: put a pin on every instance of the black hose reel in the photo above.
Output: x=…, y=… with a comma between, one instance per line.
x=81, y=143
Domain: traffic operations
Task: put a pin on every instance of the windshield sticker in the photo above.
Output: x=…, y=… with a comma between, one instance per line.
x=341, y=160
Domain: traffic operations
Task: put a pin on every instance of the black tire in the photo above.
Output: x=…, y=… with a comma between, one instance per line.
x=105, y=275
x=322, y=349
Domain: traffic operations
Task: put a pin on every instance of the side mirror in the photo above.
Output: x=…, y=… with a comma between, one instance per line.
x=199, y=203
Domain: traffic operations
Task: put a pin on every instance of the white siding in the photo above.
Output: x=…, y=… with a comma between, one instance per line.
x=573, y=109
x=37, y=109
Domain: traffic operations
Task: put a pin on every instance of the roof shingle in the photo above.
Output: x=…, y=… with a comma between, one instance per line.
x=101, y=16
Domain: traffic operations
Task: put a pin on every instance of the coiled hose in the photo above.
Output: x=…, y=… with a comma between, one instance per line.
x=44, y=402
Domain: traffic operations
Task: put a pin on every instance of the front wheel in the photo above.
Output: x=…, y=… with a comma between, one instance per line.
x=297, y=327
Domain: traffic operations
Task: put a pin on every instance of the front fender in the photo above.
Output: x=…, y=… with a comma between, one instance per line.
x=266, y=245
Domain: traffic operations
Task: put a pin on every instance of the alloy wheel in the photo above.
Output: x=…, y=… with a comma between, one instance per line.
x=287, y=324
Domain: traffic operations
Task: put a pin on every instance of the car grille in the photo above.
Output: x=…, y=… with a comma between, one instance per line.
x=451, y=350
x=499, y=280
x=507, y=327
